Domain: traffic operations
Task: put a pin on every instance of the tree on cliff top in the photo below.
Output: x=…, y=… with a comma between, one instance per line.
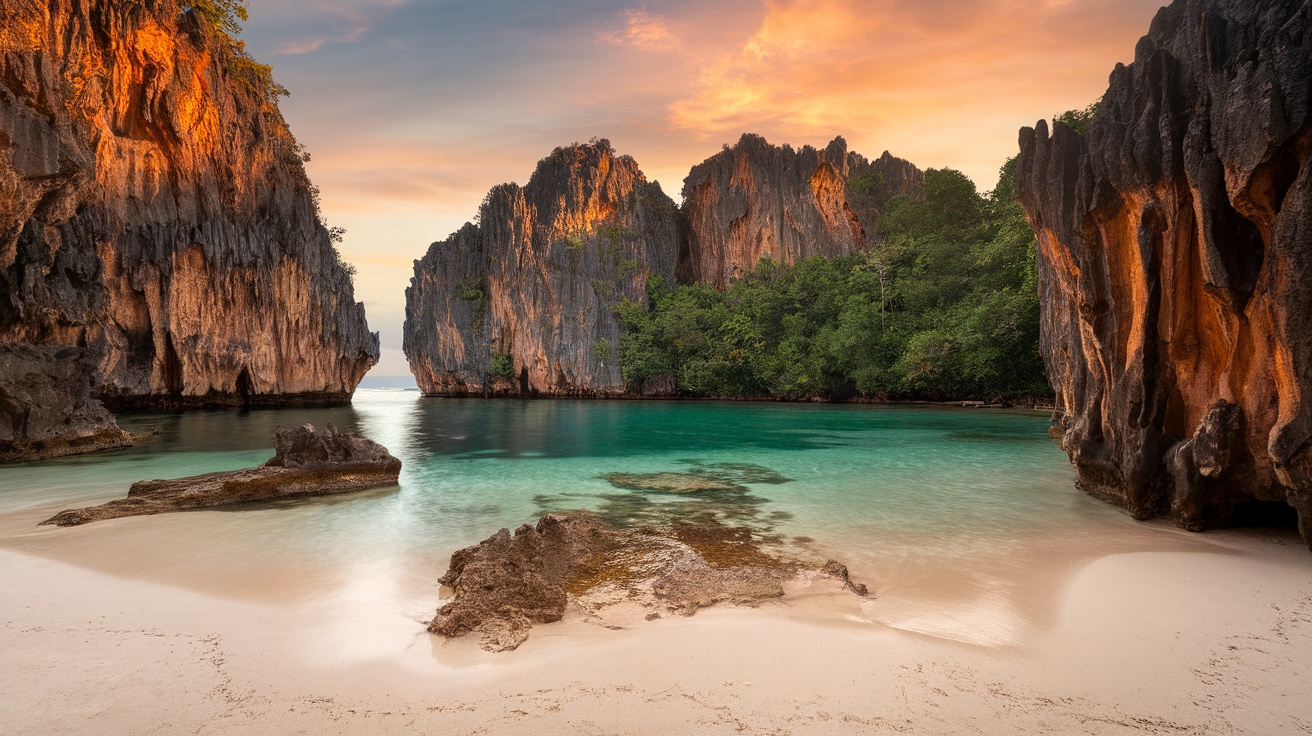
x=224, y=19
x=1077, y=120
x=944, y=306
x=224, y=16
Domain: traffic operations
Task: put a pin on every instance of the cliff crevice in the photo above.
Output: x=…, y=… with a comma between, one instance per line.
x=155, y=212
x=1175, y=257
x=523, y=302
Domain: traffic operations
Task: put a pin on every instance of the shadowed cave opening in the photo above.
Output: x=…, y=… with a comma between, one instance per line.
x=171, y=368
x=523, y=381
x=1265, y=514
x=245, y=386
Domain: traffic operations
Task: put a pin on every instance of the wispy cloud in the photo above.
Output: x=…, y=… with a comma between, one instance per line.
x=643, y=30
x=345, y=24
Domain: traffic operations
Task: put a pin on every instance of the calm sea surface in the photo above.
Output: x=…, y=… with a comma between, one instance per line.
x=965, y=522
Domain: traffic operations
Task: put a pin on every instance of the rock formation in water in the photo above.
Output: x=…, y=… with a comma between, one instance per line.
x=523, y=302
x=306, y=462
x=1175, y=258
x=48, y=407
x=155, y=211
x=756, y=200
x=508, y=582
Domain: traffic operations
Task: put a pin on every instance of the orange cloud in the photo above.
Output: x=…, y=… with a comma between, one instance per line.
x=643, y=30
x=919, y=77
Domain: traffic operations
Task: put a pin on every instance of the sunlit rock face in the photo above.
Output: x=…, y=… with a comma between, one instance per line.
x=1175, y=264
x=756, y=200
x=523, y=302
x=154, y=210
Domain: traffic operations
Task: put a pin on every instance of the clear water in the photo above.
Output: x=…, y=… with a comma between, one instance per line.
x=965, y=522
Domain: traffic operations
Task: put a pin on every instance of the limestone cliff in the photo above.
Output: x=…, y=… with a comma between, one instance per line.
x=756, y=200
x=155, y=211
x=48, y=407
x=522, y=303
x=1175, y=258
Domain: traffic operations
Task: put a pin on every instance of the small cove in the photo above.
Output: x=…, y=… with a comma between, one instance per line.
x=965, y=523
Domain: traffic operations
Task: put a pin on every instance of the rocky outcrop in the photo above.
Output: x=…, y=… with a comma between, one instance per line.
x=507, y=583
x=155, y=211
x=47, y=405
x=755, y=200
x=523, y=302
x=1175, y=257
x=306, y=463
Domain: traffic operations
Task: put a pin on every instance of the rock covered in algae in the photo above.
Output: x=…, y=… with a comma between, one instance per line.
x=307, y=462
x=507, y=583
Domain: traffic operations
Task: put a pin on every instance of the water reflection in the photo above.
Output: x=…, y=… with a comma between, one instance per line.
x=938, y=510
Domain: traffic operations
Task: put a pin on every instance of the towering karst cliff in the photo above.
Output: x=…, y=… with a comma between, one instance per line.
x=756, y=200
x=155, y=213
x=1175, y=257
x=523, y=301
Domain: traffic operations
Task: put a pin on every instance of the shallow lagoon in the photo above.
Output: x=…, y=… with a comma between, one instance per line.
x=964, y=522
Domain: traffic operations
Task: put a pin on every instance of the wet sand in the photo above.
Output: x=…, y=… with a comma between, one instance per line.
x=1214, y=637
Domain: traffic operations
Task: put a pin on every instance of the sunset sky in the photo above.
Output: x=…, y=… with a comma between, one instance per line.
x=413, y=109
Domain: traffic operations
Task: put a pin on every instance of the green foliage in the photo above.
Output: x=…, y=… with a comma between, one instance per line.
x=223, y=19
x=223, y=16
x=616, y=233
x=870, y=183
x=605, y=288
x=626, y=267
x=603, y=350
x=254, y=76
x=945, y=307
x=1077, y=120
x=473, y=290
x=576, y=241
x=501, y=366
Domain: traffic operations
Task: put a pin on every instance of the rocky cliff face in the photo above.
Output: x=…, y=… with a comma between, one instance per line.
x=1175, y=257
x=48, y=407
x=757, y=200
x=155, y=211
x=521, y=303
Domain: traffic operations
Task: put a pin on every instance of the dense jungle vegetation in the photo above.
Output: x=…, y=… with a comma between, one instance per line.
x=943, y=306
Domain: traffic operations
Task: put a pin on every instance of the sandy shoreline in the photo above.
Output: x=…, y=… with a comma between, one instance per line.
x=1152, y=642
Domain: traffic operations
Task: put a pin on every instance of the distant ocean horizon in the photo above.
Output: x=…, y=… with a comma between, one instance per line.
x=389, y=382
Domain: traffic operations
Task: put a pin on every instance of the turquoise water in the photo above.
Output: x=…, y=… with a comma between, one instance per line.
x=943, y=510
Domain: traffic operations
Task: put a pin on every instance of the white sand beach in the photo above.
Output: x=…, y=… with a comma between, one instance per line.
x=1217, y=640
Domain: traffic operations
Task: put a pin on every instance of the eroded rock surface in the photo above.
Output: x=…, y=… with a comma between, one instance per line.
x=756, y=200
x=1175, y=258
x=523, y=302
x=508, y=582
x=154, y=209
x=307, y=462
x=47, y=405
